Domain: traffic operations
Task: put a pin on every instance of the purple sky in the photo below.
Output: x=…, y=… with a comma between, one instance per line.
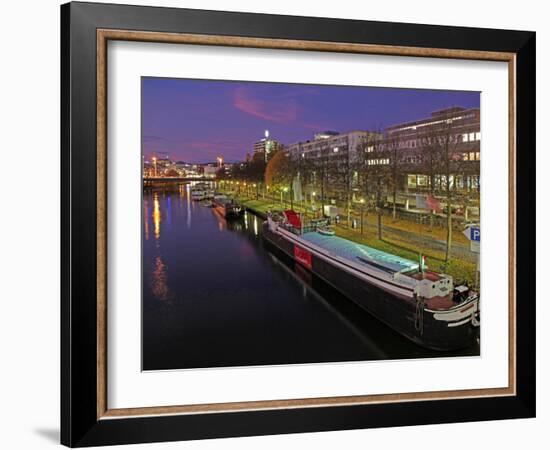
x=196, y=120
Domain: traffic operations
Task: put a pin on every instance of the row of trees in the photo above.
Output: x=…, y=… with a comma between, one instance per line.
x=252, y=170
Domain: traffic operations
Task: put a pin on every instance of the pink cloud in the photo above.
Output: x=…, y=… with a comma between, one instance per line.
x=315, y=126
x=275, y=111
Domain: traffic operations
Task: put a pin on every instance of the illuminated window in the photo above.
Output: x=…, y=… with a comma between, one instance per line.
x=465, y=156
x=477, y=156
x=472, y=156
x=465, y=137
x=472, y=136
x=422, y=180
x=411, y=181
x=478, y=136
x=378, y=162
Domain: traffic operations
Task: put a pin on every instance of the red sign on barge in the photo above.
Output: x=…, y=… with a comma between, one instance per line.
x=302, y=256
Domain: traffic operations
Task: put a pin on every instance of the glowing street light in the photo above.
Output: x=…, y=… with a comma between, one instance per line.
x=155, y=165
x=362, y=202
x=285, y=190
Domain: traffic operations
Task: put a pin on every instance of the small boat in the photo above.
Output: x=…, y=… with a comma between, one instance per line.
x=201, y=192
x=198, y=195
x=226, y=207
x=219, y=196
x=326, y=230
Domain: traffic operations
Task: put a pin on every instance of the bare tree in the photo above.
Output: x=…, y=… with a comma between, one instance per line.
x=431, y=161
x=344, y=164
x=393, y=147
x=442, y=161
x=375, y=172
x=467, y=168
x=320, y=170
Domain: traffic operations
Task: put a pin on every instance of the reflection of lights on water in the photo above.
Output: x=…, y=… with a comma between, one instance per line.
x=188, y=194
x=156, y=215
x=169, y=212
x=245, y=220
x=159, y=282
x=181, y=195
x=255, y=226
x=146, y=219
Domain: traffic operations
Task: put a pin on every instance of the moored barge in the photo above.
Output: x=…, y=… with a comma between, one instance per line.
x=226, y=207
x=201, y=191
x=418, y=303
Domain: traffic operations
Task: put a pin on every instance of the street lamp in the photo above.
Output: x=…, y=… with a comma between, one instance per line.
x=313, y=206
x=362, y=202
x=155, y=165
x=285, y=189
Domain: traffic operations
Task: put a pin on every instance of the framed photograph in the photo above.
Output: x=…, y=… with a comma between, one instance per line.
x=272, y=224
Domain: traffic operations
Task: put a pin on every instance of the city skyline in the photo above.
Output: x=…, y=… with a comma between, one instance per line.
x=197, y=120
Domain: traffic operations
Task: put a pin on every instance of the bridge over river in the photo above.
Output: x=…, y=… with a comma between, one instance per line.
x=164, y=181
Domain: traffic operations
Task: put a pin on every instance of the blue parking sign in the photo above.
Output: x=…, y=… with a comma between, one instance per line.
x=475, y=234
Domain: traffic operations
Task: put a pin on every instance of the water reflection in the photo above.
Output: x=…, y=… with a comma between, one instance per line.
x=146, y=219
x=156, y=214
x=308, y=291
x=169, y=212
x=159, y=281
x=187, y=194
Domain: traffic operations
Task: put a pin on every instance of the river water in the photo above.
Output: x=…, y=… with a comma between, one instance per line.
x=215, y=294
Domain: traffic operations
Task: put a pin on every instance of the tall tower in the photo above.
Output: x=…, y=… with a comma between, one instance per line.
x=266, y=145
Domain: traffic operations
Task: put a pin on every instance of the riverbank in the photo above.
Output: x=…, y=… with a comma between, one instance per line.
x=398, y=238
